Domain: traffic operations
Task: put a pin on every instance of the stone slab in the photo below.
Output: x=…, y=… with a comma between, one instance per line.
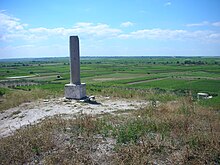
x=73, y=91
x=74, y=60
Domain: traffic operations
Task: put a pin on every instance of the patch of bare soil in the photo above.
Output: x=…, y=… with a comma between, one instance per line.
x=34, y=112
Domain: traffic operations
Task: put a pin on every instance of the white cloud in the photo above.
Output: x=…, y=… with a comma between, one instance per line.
x=167, y=34
x=99, y=29
x=12, y=28
x=82, y=28
x=168, y=4
x=155, y=34
x=126, y=24
x=214, y=36
x=10, y=23
x=204, y=23
x=216, y=24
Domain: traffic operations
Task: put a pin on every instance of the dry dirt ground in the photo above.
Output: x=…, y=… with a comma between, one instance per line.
x=34, y=112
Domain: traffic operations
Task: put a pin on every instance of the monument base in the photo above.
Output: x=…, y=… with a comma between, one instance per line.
x=73, y=91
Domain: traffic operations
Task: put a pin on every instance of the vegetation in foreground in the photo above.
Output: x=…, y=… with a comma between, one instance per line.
x=180, y=130
x=176, y=132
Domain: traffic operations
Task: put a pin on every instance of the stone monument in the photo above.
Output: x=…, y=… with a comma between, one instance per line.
x=76, y=89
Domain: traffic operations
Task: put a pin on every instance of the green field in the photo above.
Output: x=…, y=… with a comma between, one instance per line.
x=180, y=75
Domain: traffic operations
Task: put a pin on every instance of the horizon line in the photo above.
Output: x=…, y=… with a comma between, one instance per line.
x=117, y=56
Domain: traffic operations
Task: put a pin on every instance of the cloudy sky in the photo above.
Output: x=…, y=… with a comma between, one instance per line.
x=41, y=28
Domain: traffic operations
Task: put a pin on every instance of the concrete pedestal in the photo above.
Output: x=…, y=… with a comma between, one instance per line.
x=73, y=91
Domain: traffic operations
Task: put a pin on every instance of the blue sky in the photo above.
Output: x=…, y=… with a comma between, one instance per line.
x=41, y=28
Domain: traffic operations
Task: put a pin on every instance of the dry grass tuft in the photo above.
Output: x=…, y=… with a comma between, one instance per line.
x=27, y=143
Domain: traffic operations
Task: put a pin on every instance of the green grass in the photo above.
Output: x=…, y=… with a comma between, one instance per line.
x=3, y=91
x=194, y=85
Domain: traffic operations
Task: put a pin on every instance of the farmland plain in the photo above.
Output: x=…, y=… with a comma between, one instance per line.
x=180, y=75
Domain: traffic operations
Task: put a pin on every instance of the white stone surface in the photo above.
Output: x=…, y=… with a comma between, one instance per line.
x=73, y=91
x=35, y=112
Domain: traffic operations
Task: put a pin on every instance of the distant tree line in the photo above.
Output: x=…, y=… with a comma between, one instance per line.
x=195, y=62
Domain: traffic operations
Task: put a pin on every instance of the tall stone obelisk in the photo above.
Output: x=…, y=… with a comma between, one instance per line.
x=76, y=89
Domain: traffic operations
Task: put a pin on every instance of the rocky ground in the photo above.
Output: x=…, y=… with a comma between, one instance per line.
x=34, y=112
